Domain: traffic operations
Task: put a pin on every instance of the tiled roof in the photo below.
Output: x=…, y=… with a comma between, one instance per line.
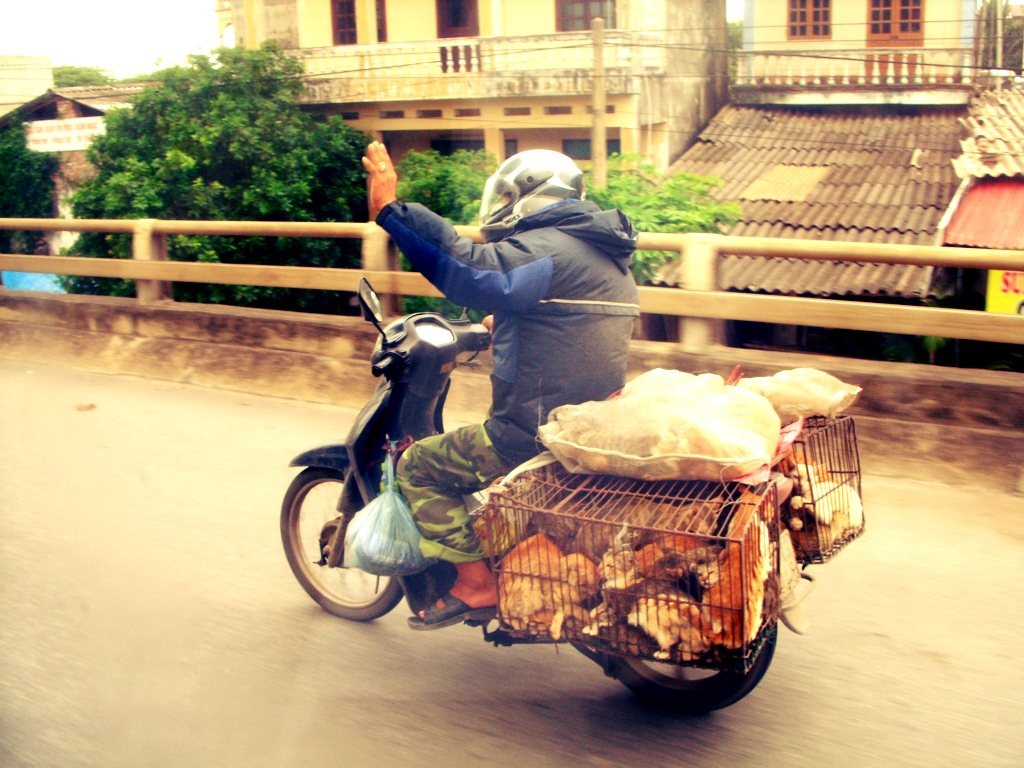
x=859, y=176
x=103, y=97
x=995, y=142
x=98, y=99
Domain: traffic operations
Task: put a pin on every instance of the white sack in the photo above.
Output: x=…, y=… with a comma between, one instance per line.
x=799, y=392
x=667, y=425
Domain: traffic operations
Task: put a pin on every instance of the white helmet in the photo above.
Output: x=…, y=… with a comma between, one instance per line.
x=524, y=184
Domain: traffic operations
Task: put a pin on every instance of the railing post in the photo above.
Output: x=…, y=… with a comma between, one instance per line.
x=380, y=255
x=698, y=335
x=147, y=246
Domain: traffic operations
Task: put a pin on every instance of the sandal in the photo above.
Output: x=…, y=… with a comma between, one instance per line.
x=452, y=611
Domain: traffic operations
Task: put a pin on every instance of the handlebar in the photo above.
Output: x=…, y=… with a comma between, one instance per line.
x=426, y=336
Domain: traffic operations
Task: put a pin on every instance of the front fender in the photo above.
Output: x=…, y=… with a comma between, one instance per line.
x=332, y=456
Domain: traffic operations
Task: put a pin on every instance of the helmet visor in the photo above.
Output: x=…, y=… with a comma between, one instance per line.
x=497, y=201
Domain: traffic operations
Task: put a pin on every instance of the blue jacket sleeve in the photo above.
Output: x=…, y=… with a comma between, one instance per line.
x=491, y=277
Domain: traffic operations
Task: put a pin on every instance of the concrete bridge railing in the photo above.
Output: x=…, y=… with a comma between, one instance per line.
x=955, y=425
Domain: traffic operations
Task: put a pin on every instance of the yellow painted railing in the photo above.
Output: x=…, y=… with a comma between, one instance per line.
x=700, y=306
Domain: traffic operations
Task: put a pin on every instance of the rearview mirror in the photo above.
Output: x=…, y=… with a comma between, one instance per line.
x=369, y=303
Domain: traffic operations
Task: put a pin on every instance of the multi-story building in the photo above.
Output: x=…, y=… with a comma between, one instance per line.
x=820, y=52
x=845, y=123
x=504, y=76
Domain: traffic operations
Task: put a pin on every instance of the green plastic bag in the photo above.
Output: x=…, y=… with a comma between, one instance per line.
x=382, y=537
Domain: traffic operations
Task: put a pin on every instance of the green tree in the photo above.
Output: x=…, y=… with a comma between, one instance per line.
x=656, y=202
x=735, y=36
x=68, y=77
x=225, y=139
x=26, y=188
x=450, y=186
x=988, y=32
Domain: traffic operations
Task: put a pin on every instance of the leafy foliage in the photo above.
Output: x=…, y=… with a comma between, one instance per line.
x=989, y=35
x=68, y=77
x=449, y=185
x=735, y=37
x=225, y=139
x=26, y=187
x=656, y=202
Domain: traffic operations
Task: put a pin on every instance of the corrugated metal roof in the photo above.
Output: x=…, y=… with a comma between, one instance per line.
x=995, y=143
x=883, y=176
x=990, y=215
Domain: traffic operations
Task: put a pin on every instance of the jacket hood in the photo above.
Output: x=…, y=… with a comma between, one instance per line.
x=609, y=231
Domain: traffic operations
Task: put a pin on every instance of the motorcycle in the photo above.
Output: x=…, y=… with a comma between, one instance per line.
x=413, y=358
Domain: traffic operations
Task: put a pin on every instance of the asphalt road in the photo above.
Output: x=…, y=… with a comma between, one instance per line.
x=148, y=618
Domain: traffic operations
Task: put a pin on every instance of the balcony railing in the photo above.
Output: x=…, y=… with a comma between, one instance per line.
x=476, y=67
x=875, y=67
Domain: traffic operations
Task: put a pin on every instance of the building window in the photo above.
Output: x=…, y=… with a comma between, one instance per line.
x=579, y=149
x=382, y=21
x=809, y=19
x=448, y=146
x=577, y=15
x=896, y=22
x=457, y=18
x=343, y=18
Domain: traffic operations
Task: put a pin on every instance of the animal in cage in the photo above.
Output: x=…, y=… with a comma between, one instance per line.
x=672, y=619
x=542, y=589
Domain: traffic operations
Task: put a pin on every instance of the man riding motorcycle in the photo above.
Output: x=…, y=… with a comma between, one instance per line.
x=555, y=272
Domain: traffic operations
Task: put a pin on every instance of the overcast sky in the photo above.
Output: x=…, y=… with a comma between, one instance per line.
x=123, y=37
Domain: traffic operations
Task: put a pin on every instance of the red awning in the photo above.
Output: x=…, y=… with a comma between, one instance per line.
x=990, y=215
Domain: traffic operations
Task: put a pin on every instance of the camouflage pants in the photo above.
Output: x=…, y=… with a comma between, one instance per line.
x=434, y=474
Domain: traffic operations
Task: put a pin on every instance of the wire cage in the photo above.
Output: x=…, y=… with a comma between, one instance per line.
x=674, y=571
x=825, y=512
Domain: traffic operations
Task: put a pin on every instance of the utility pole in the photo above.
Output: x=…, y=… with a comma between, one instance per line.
x=598, y=134
x=1000, y=10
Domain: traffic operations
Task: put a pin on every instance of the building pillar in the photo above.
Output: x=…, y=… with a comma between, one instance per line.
x=494, y=142
x=629, y=143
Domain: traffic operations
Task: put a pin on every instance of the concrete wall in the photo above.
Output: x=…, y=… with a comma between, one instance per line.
x=960, y=426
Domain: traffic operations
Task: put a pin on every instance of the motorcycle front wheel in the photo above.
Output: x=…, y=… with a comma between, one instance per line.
x=686, y=689
x=318, y=496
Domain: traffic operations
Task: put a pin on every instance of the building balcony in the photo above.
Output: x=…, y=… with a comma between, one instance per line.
x=918, y=76
x=478, y=68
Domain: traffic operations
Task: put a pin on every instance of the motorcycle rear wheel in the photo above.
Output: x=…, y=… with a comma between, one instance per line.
x=314, y=498
x=686, y=689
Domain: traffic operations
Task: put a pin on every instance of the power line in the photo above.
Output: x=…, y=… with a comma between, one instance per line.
x=932, y=23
